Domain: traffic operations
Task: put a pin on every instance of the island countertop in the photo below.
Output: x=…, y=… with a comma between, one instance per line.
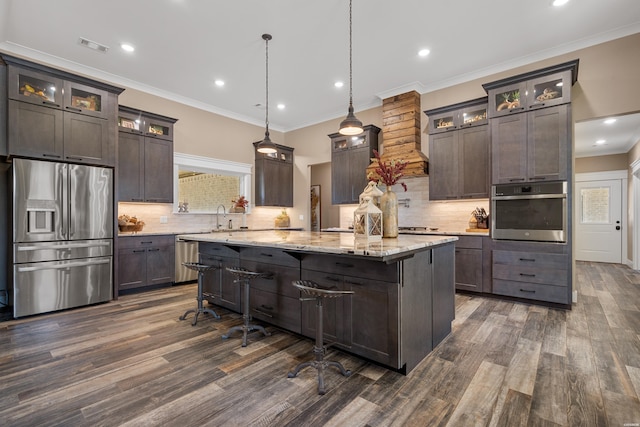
x=326, y=242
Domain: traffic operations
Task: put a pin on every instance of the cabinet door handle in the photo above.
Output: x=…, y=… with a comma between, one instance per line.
x=534, y=106
x=77, y=110
x=55, y=156
x=527, y=275
x=136, y=251
x=528, y=259
x=516, y=110
x=527, y=290
x=154, y=250
x=353, y=283
x=146, y=243
x=539, y=178
x=136, y=200
x=344, y=264
x=516, y=179
x=75, y=158
x=263, y=254
x=51, y=104
x=266, y=307
x=332, y=279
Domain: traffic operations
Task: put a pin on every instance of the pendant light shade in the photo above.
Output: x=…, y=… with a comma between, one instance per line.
x=266, y=145
x=351, y=125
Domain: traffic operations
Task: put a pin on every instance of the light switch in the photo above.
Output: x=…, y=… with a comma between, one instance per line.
x=164, y=219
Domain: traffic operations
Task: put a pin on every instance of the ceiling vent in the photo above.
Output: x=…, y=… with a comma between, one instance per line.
x=93, y=45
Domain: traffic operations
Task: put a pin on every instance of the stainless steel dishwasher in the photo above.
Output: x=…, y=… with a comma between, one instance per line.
x=185, y=252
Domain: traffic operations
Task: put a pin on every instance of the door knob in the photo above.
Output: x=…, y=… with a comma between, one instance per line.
x=617, y=227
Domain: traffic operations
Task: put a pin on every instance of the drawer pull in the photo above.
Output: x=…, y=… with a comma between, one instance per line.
x=266, y=307
x=528, y=259
x=332, y=279
x=263, y=313
x=528, y=290
x=353, y=283
x=135, y=251
x=154, y=250
x=263, y=254
x=344, y=264
x=146, y=243
x=527, y=275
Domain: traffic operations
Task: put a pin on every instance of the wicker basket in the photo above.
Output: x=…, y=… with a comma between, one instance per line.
x=134, y=227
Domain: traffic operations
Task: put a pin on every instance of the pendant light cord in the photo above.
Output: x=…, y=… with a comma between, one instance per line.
x=267, y=37
x=350, y=54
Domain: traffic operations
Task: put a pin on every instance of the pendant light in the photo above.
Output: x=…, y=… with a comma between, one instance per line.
x=351, y=125
x=266, y=145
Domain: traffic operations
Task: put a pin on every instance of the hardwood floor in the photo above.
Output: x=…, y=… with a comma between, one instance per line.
x=132, y=362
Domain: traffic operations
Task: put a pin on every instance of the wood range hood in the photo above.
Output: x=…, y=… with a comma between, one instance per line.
x=401, y=134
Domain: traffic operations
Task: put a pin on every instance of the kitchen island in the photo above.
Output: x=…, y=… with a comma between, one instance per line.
x=403, y=301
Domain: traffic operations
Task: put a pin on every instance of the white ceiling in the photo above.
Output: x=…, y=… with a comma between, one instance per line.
x=619, y=136
x=182, y=46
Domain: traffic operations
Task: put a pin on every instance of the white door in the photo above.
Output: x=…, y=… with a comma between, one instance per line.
x=598, y=222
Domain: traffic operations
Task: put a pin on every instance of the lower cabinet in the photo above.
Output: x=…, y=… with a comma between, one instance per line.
x=218, y=285
x=366, y=322
x=145, y=261
x=535, y=271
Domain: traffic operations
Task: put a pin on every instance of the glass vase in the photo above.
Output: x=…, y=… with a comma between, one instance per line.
x=389, y=208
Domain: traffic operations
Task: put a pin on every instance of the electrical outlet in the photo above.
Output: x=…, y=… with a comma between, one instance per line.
x=164, y=219
x=301, y=217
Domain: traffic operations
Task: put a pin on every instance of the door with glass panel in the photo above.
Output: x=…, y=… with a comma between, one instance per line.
x=598, y=222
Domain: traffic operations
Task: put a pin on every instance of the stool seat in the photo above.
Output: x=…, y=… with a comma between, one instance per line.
x=201, y=269
x=245, y=276
x=318, y=293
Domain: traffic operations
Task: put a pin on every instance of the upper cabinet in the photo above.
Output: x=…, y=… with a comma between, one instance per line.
x=538, y=89
x=274, y=177
x=530, y=120
x=145, y=156
x=459, y=151
x=59, y=116
x=350, y=157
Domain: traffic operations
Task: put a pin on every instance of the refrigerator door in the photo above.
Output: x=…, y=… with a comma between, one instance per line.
x=38, y=201
x=90, y=202
x=49, y=286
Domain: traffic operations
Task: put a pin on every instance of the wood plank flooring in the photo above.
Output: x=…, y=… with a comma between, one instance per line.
x=132, y=362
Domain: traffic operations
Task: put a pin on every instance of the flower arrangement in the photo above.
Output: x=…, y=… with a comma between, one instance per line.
x=239, y=205
x=388, y=173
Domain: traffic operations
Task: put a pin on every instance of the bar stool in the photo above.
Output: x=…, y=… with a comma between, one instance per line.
x=312, y=289
x=200, y=268
x=245, y=276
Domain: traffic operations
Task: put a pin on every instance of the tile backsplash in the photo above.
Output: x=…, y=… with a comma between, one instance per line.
x=421, y=212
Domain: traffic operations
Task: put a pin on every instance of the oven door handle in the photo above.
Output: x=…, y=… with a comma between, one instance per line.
x=532, y=197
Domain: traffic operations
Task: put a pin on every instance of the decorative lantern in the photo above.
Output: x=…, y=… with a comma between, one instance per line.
x=367, y=221
x=373, y=192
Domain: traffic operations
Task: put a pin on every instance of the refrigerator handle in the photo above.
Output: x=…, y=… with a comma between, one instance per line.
x=37, y=267
x=64, y=205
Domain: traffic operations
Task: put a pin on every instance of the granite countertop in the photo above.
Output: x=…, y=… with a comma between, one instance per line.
x=423, y=232
x=323, y=242
x=202, y=231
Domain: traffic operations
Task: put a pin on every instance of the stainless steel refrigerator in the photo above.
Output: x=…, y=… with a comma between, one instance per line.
x=62, y=236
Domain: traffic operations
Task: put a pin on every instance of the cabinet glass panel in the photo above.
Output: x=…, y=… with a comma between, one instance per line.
x=43, y=90
x=86, y=100
x=507, y=100
x=443, y=122
x=158, y=129
x=340, y=144
x=547, y=90
x=129, y=123
x=474, y=116
x=357, y=141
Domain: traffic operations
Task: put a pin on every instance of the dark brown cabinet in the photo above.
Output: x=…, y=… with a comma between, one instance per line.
x=145, y=261
x=145, y=157
x=274, y=177
x=530, y=119
x=532, y=146
x=219, y=287
x=59, y=116
x=459, y=140
x=350, y=157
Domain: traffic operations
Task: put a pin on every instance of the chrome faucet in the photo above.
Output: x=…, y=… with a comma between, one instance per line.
x=224, y=215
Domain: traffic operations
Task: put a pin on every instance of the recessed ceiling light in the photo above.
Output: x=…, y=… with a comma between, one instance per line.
x=609, y=121
x=338, y=84
x=424, y=52
x=601, y=142
x=127, y=47
x=281, y=106
x=559, y=2
x=93, y=45
x=219, y=83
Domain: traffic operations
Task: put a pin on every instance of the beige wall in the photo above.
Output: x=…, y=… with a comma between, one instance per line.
x=613, y=162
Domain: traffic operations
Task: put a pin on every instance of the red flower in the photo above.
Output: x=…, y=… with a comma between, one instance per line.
x=389, y=172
